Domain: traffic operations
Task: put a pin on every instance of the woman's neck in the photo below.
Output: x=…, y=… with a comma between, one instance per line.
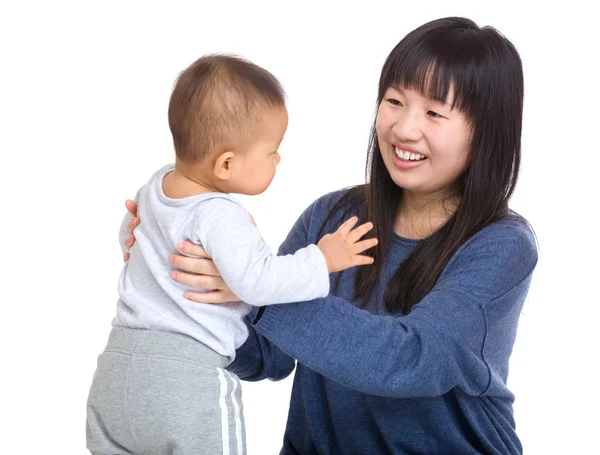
x=421, y=215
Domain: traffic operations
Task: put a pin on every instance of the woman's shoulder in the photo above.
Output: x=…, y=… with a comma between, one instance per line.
x=511, y=231
x=344, y=201
x=506, y=244
x=327, y=212
x=497, y=259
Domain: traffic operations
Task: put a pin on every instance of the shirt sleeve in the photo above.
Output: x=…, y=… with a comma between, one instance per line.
x=459, y=335
x=259, y=358
x=246, y=263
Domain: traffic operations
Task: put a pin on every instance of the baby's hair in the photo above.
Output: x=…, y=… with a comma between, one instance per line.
x=220, y=101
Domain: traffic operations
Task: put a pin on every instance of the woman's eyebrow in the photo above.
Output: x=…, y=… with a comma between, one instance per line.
x=401, y=91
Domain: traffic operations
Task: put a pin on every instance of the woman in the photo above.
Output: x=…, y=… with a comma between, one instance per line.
x=410, y=355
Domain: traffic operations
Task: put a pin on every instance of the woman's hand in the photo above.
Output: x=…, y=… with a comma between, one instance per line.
x=197, y=272
x=200, y=272
x=133, y=223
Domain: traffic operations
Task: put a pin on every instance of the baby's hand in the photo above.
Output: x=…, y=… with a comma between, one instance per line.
x=342, y=248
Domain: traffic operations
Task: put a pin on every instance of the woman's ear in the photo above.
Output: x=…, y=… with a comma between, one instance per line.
x=223, y=167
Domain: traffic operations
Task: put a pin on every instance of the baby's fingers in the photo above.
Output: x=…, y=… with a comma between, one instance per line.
x=345, y=228
x=362, y=260
x=363, y=245
x=359, y=232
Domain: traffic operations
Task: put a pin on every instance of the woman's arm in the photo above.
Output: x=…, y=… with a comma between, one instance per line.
x=460, y=335
x=258, y=358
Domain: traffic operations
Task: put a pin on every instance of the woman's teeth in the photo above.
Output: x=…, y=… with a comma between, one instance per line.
x=408, y=156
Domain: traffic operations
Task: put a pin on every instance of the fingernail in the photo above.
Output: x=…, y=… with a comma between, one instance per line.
x=171, y=258
x=173, y=274
x=180, y=245
x=186, y=295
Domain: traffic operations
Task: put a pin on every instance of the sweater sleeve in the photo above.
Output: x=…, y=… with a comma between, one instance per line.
x=259, y=359
x=459, y=335
x=256, y=275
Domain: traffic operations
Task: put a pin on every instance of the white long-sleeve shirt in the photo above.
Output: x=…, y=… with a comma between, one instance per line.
x=151, y=299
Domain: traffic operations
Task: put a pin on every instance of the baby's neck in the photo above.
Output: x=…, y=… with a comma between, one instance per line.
x=181, y=183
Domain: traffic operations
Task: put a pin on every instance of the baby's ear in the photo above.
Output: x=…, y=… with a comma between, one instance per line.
x=223, y=165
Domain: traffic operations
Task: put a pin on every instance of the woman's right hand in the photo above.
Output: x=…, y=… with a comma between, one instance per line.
x=133, y=223
x=199, y=272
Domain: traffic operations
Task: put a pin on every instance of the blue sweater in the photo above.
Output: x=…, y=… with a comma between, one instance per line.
x=431, y=382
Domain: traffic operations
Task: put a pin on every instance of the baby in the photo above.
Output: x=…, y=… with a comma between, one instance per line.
x=161, y=385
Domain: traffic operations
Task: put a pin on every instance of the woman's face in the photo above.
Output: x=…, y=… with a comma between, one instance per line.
x=424, y=144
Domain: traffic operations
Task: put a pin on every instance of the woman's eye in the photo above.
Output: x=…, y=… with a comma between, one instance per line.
x=394, y=102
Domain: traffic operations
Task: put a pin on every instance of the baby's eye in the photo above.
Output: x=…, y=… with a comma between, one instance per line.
x=394, y=102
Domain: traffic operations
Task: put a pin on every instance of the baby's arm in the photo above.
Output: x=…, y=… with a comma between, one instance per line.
x=259, y=277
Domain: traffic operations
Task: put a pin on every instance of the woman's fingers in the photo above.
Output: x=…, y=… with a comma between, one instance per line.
x=189, y=279
x=214, y=297
x=220, y=293
x=131, y=207
x=130, y=241
x=194, y=265
x=193, y=249
x=132, y=224
x=199, y=281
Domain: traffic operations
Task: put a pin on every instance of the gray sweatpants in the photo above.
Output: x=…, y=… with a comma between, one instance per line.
x=158, y=393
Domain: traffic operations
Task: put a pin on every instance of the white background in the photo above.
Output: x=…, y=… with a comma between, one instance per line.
x=83, y=100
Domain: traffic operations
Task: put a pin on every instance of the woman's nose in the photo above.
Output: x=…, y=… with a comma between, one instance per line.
x=408, y=127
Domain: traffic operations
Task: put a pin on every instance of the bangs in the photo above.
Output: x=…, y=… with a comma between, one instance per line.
x=434, y=81
x=446, y=64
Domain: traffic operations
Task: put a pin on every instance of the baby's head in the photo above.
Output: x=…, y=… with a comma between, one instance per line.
x=228, y=117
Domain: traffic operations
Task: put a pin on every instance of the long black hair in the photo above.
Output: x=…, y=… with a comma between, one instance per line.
x=483, y=70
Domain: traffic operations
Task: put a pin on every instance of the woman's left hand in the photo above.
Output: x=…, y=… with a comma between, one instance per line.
x=200, y=272
x=133, y=223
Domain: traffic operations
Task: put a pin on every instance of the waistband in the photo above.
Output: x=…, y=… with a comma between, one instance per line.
x=163, y=344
